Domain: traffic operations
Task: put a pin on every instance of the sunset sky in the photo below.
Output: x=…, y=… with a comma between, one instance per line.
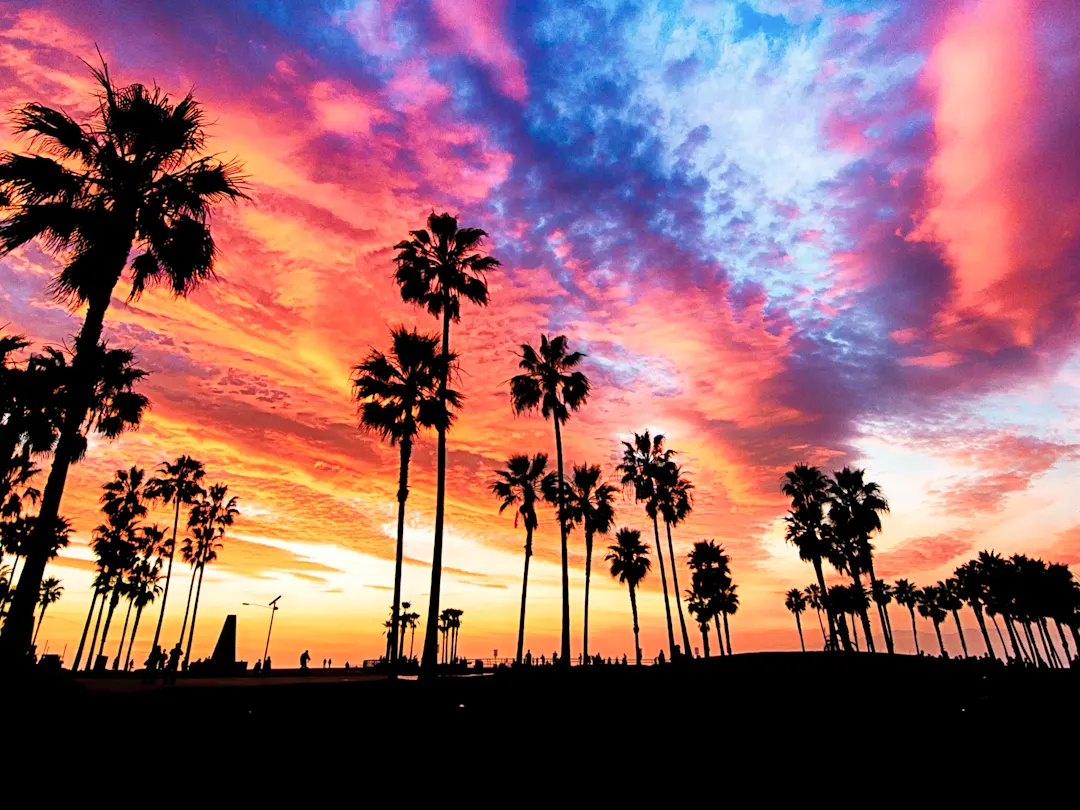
x=833, y=231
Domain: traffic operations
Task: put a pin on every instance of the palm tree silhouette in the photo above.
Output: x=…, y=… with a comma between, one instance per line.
x=971, y=588
x=436, y=268
x=397, y=395
x=552, y=383
x=808, y=489
x=675, y=501
x=517, y=486
x=701, y=608
x=728, y=604
x=147, y=542
x=949, y=597
x=114, y=547
x=130, y=181
x=882, y=594
x=929, y=600
x=795, y=601
x=710, y=576
x=630, y=563
x=444, y=630
x=589, y=503
x=907, y=595
x=644, y=462
x=210, y=516
x=145, y=577
x=51, y=591
x=855, y=509
x=179, y=483
x=813, y=599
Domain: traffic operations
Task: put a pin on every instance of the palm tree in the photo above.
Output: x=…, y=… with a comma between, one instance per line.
x=701, y=608
x=517, y=486
x=949, y=597
x=51, y=591
x=882, y=594
x=994, y=571
x=211, y=515
x=127, y=189
x=808, y=489
x=436, y=268
x=589, y=503
x=551, y=382
x=855, y=509
x=929, y=600
x=179, y=483
x=643, y=463
x=971, y=588
x=145, y=578
x=675, y=501
x=630, y=563
x=728, y=604
x=907, y=595
x=113, y=546
x=397, y=395
x=710, y=576
x=813, y=599
x=795, y=601
x=444, y=630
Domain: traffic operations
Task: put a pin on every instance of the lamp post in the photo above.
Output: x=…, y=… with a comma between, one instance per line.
x=273, y=609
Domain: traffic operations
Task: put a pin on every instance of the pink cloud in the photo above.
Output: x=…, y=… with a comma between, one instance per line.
x=476, y=29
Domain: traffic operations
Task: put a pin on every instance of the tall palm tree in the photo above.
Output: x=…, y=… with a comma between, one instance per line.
x=971, y=588
x=701, y=608
x=630, y=563
x=882, y=594
x=929, y=600
x=728, y=604
x=675, y=500
x=147, y=547
x=551, y=382
x=436, y=268
x=211, y=515
x=994, y=571
x=795, y=601
x=950, y=598
x=644, y=462
x=518, y=486
x=444, y=630
x=51, y=591
x=146, y=577
x=127, y=189
x=710, y=576
x=907, y=595
x=808, y=489
x=180, y=483
x=855, y=509
x=813, y=599
x=114, y=549
x=397, y=395
x=589, y=503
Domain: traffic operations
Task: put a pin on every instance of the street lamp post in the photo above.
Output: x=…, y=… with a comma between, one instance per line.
x=273, y=609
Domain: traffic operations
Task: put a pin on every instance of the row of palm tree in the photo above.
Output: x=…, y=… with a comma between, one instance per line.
x=407, y=620
x=130, y=555
x=126, y=192
x=449, y=626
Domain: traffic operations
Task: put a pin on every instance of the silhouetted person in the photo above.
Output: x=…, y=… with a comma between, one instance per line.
x=174, y=662
x=266, y=664
x=329, y=663
x=152, y=664
x=579, y=659
x=660, y=658
x=324, y=663
x=304, y=658
x=258, y=667
x=528, y=658
x=624, y=659
x=346, y=666
x=542, y=660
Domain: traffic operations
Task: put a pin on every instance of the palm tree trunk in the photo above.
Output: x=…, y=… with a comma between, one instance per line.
x=719, y=634
x=401, y=642
x=705, y=637
x=564, y=656
x=855, y=632
x=1048, y=643
x=588, y=580
x=16, y=634
x=41, y=618
x=168, y=576
x=402, y=495
x=863, y=615
x=524, y=591
x=1013, y=637
x=675, y=586
x=86, y=629
x=727, y=634
x=914, y=629
x=194, y=616
x=941, y=644
x=123, y=636
x=821, y=624
x=798, y=623
x=1034, y=645
x=663, y=584
x=97, y=626
x=430, y=660
x=1001, y=638
x=113, y=602
x=412, y=637
x=883, y=615
x=960, y=631
x=1060, y=629
x=187, y=609
x=825, y=603
x=977, y=608
x=134, y=632
x=633, y=609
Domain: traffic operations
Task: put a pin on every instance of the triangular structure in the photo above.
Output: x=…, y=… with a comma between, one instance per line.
x=224, y=657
